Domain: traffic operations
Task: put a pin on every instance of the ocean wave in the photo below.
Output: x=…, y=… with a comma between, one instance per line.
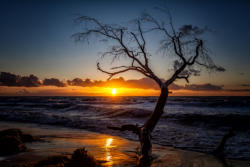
x=211, y=101
x=58, y=112
x=195, y=123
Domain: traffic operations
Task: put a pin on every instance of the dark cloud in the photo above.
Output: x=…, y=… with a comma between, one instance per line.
x=245, y=85
x=206, y=87
x=194, y=72
x=213, y=67
x=30, y=81
x=191, y=30
x=186, y=72
x=8, y=79
x=190, y=72
x=174, y=86
x=219, y=69
x=144, y=83
x=53, y=82
x=79, y=82
x=117, y=82
x=242, y=73
x=238, y=90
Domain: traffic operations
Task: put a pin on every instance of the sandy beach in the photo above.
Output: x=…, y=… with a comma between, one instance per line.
x=110, y=150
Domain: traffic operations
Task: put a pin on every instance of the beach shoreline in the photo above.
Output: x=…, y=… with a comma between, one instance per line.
x=110, y=150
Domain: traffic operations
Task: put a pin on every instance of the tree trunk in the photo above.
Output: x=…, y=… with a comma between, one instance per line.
x=146, y=130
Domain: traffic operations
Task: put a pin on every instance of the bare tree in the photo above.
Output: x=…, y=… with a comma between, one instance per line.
x=185, y=44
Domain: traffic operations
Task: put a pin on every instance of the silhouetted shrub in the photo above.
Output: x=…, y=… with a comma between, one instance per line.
x=81, y=158
x=54, y=161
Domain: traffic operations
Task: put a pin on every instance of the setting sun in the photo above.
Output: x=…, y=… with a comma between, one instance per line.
x=113, y=91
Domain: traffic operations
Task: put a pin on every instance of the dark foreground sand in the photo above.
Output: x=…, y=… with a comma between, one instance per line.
x=112, y=150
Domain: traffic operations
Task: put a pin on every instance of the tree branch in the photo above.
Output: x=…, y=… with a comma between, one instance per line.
x=184, y=77
x=127, y=68
x=185, y=63
x=176, y=39
x=117, y=34
x=111, y=74
x=198, y=47
x=178, y=51
x=211, y=66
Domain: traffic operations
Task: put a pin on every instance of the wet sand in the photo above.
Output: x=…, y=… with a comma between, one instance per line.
x=111, y=150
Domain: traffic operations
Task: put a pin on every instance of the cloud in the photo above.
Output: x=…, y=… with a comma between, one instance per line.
x=143, y=83
x=245, y=85
x=79, y=82
x=186, y=72
x=53, y=82
x=30, y=81
x=219, y=68
x=8, y=79
x=190, y=30
x=241, y=73
x=238, y=90
x=174, y=86
x=207, y=87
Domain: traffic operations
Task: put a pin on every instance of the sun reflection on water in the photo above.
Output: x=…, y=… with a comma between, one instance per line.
x=109, y=142
x=108, y=157
x=108, y=147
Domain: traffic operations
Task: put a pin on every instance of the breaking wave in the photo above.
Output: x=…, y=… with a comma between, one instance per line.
x=194, y=123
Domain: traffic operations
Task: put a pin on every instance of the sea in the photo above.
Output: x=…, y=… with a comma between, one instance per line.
x=189, y=123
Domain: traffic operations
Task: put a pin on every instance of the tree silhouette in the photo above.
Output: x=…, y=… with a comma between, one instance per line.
x=185, y=44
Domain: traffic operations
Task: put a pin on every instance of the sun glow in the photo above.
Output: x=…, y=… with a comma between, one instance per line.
x=109, y=142
x=114, y=91
x=77, y=91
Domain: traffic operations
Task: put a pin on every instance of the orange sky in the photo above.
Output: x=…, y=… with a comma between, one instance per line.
x=106, y=91
x=16, y=85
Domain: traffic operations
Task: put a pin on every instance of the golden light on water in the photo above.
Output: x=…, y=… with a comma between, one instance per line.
x=114, y=91
x=108, y=147
x=108, y=157
x=109, y=142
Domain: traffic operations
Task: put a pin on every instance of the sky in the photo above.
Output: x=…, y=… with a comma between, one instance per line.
x=36, y=38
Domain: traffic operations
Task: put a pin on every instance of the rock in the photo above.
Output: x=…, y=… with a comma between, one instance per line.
x=11, y=132
x=19, y=134
x=12, y=141
x=28, y=138
x=11, y=145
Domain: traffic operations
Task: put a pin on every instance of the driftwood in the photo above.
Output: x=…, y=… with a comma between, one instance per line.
x=220, y=148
